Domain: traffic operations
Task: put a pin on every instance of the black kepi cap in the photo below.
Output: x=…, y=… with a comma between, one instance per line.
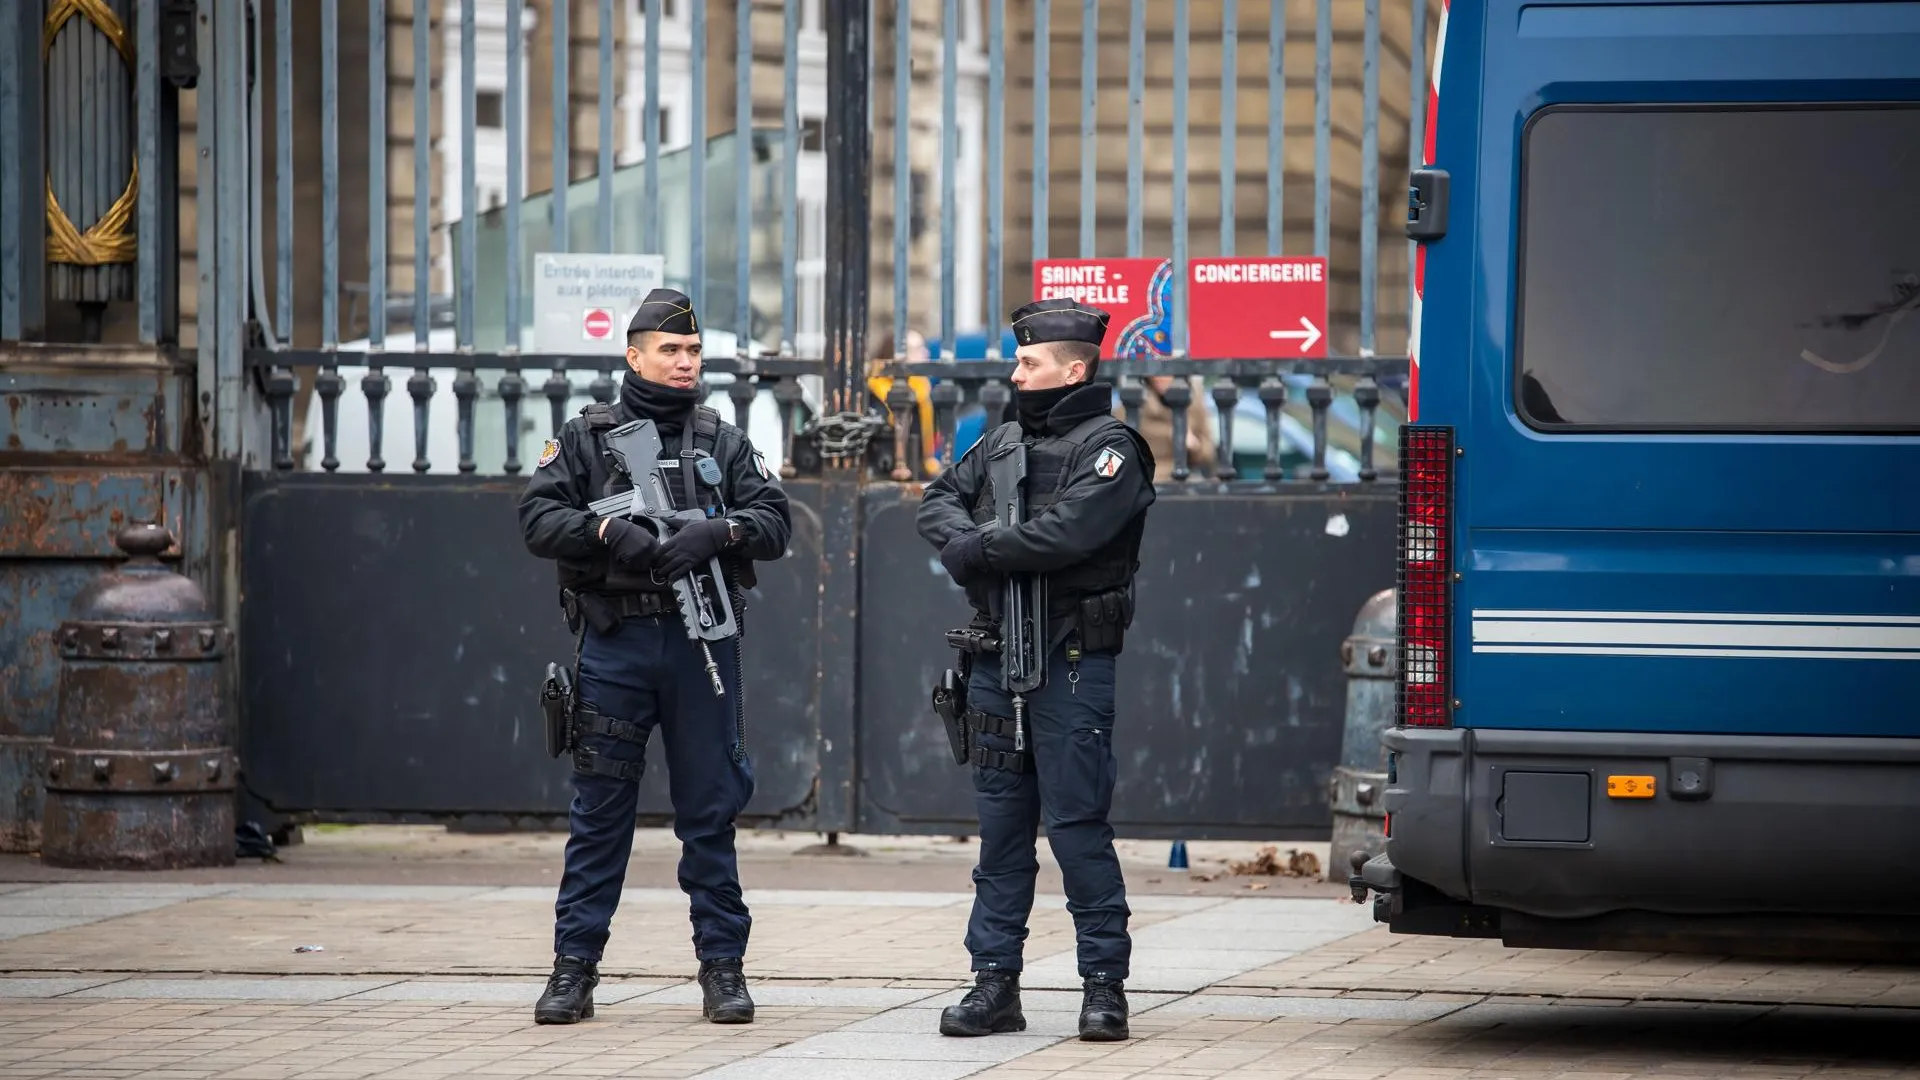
x=665, y=310
x=1059, y=319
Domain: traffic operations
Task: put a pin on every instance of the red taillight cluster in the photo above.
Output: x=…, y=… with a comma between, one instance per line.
x=1424, y=577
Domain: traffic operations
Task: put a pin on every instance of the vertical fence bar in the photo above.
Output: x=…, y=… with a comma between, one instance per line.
x=1417, y=121
x=949, y=162
x=466, y=384
x=147, y=128
x=329, y=174
x=562, y=123
x=1277, y=127
x=515, y=121
x=420, y=384
x=1042, y=46
x=469, y=186
x=790, y=189
x=283, y=154
x=328, y=384
x=996, y=170
x=902, y=177
x=1229, y=118
x=742, y=169
x=1323, y=129
x=1179, y=343
x=15, y=41
x=374, y=385
x=513, y=385
x=376, y=175
x=650, y=134
x=1370, y=180
x=1089, y=104
x=1136, y=125
x=849, y=142
x=605, y=112
x=697, y=163
x=557, y=388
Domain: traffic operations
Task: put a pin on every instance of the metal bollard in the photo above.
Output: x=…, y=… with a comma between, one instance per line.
x=1357, y=785
x=141, y=772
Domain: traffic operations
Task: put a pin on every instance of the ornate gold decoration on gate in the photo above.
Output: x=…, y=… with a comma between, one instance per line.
x=107, y=240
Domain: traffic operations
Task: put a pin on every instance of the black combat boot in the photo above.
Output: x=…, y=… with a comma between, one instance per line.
x=723, y=987
x=569, y=996
x=1103, y=1010
x=992, y=1007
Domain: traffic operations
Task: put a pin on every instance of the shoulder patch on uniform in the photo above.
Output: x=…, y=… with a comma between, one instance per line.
x=548, y=452
x=1107, y=464
x=760, y=466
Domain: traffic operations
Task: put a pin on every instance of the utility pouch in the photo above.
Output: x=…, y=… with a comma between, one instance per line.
x=1104, y=618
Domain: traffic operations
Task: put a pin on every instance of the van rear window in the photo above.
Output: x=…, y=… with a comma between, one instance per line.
x=1720, y=269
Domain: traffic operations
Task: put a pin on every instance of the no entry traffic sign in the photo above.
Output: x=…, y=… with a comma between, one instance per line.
x=1255, y=309
x=1136, y=292
x=597, y=324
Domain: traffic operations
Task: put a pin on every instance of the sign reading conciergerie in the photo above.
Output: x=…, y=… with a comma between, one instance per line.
x=1257, y=309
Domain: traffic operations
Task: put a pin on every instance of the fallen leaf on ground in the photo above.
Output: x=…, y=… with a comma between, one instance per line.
x=1268, y=862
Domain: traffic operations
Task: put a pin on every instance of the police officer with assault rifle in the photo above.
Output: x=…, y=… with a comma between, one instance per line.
x=655, y=512
x=1040, y=522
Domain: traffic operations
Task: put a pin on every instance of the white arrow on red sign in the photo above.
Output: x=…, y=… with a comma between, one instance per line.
x=1306, y=335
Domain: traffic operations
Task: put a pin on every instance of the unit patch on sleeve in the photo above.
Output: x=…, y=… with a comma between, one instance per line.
x=548, y=452
x=760, y=466
x=1107, y=465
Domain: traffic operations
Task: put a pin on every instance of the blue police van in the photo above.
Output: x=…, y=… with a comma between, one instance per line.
x=1659, y=549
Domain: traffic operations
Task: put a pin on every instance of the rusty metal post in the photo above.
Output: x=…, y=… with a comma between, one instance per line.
x=141, y=772
x=1358, y=783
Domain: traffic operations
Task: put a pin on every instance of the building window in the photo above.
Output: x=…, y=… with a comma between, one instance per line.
x=489, y=109
x=813, y=134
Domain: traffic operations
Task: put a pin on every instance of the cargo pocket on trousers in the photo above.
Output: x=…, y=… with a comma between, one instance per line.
x=1087, y=775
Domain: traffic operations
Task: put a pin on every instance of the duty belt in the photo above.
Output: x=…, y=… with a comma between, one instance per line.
x=639, y=605
x=989, y=724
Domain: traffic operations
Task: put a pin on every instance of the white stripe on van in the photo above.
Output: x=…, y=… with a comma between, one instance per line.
x=1690, y=634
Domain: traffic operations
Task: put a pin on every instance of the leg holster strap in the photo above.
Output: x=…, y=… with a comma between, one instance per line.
x=997, y=759
x=596, y=764
x=591, y=721
x=989, y=724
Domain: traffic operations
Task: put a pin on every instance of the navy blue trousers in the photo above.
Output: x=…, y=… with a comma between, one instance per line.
x=649, y=673
x=1069, y=786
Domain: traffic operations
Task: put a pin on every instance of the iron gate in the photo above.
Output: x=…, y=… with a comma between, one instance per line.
x=373, y=400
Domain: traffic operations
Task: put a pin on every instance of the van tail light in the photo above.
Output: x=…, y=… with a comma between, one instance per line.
x=1424, y=577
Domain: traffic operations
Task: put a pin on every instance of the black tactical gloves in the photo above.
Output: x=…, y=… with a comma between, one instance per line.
x=631, y=546
x=691, y=547
x=965, y=557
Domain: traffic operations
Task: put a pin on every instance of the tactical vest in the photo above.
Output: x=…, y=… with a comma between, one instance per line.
x=602, y=481
x=1107, y=570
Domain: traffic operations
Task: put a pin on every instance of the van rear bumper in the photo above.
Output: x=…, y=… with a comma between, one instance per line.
x=1523, y=822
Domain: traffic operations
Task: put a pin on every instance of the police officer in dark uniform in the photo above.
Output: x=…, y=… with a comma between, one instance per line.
x=1089, y=484
x=637, y=667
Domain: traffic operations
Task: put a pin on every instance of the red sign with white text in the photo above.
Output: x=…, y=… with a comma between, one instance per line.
x=1123, y=288
x=1257, y=308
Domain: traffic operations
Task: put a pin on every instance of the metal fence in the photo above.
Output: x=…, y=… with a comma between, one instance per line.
x=494, y=397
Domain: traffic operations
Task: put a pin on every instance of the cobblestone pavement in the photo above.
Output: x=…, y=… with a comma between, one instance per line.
x=176, y=979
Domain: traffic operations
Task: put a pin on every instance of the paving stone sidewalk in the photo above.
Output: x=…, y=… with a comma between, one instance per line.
x=190, y=980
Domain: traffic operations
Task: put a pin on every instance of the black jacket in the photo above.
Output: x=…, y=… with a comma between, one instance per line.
x=553, y=509
x=1088, y=535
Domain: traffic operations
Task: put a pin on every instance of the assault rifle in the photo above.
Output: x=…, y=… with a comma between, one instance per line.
x=1023, y=608
x=706, y=608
